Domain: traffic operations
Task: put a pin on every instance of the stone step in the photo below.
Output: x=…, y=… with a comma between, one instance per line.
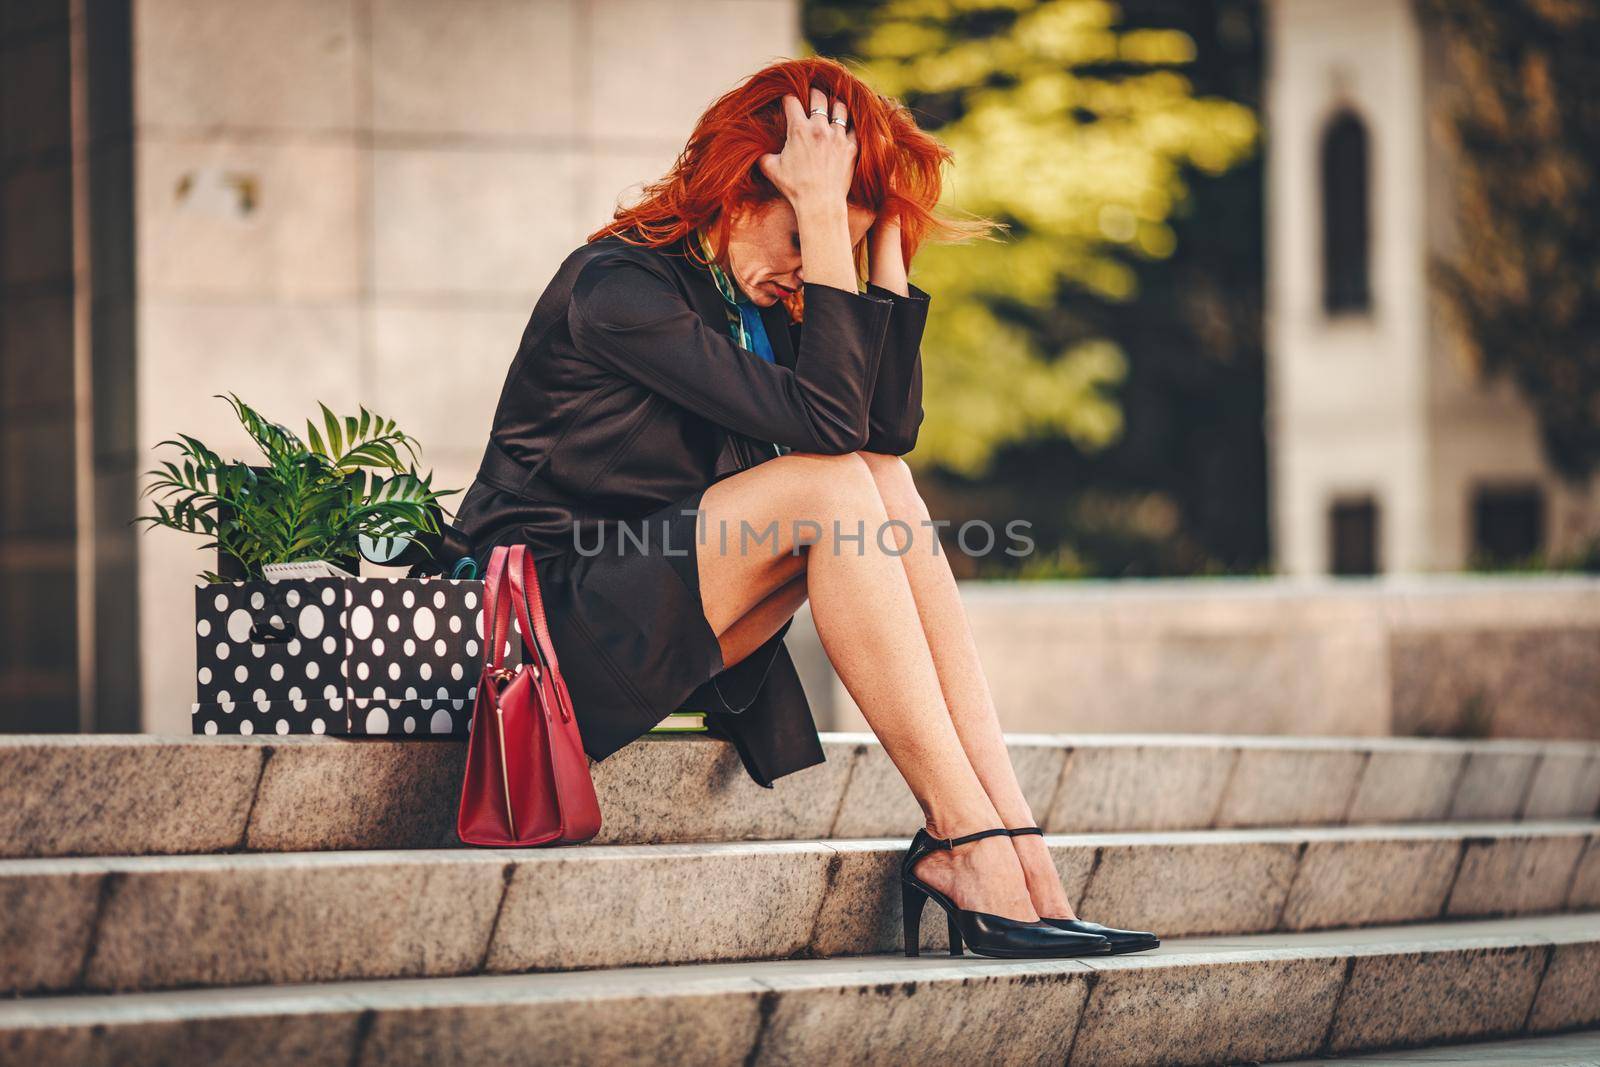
x=159, y=922
x=1580, y=1049
x=137, y=795
x=1222, y=1000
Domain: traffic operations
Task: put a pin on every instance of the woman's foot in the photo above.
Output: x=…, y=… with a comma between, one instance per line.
x=1045, y=891
x=1050, y=897
x=981, y=876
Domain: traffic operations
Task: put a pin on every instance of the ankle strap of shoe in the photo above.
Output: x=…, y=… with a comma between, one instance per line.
x=952, y=842
x=1021, y=830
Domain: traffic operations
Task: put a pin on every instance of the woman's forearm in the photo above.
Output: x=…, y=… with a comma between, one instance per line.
x=825, y=244
x=886, y=265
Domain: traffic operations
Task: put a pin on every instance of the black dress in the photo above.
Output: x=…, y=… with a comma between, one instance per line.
x=625, y=401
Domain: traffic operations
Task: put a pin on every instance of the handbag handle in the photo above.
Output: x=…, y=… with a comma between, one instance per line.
x=519, y=603
x=496, y=613
x=542, y=631
x=528, y=591
x=536, y=632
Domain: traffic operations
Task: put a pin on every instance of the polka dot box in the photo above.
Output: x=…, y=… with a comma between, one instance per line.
x=391, y=657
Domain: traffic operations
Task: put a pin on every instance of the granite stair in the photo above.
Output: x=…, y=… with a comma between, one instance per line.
x=103, y=924
x=143, y=795
x=1246, y=998
x=303, y=900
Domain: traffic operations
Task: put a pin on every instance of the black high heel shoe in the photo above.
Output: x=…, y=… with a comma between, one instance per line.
x=1121, y=940
x=986, y=934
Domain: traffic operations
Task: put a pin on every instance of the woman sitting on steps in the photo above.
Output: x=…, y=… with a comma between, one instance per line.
x=702, y=429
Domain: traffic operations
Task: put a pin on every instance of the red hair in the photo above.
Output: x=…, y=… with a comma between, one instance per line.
x=898, y=165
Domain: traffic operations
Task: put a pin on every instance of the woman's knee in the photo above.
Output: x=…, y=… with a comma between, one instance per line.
x=895, y=485
x=835, y=484
x=886, y=467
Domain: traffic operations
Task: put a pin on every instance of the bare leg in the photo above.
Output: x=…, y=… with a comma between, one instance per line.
x=867, y=618
x=961, y=677
x=750, y=630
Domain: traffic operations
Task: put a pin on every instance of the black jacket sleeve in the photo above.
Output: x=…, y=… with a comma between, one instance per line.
x=896, y=410
x=634, y=322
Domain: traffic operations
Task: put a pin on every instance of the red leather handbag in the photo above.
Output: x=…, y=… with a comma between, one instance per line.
x=527, y=780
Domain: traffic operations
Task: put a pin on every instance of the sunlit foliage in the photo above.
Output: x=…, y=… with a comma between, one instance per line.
x=1076, y=133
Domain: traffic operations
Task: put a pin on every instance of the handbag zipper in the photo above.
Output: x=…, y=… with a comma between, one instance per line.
x=505, y=774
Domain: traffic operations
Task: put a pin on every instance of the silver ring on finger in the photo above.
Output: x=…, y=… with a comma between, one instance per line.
x=838, y=121
x=818, y=111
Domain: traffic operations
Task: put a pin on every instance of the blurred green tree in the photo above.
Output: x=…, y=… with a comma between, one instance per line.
x=1085, y=351
x=1524, y=284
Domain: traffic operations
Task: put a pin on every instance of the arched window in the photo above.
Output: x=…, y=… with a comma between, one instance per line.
x=1346, y=216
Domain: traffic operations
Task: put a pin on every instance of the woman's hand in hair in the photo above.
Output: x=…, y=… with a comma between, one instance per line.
x=818, y=159
x=814, y=172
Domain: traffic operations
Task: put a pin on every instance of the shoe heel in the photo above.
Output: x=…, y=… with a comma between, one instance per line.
x=957, y=947
x=911, y=901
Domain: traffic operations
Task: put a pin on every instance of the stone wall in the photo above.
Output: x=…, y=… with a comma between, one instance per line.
x=1494, y=657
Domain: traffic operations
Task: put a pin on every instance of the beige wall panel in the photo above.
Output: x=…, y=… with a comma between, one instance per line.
x=488, y=225
x=697, y=50
x=267, y=64
x=476, y=67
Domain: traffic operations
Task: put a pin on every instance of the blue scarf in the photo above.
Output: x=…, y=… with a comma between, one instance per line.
x=755, y=329
x=744, y=317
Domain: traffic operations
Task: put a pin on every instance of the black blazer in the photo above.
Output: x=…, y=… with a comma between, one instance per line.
x=627, y=393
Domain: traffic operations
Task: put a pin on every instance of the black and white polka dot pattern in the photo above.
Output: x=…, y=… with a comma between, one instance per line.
x=396, y=657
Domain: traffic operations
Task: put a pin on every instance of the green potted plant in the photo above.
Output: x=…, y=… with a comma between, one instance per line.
x=313, y=499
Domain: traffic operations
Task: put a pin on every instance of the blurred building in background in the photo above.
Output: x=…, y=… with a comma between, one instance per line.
x=351, y=201
x=1388, y=453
